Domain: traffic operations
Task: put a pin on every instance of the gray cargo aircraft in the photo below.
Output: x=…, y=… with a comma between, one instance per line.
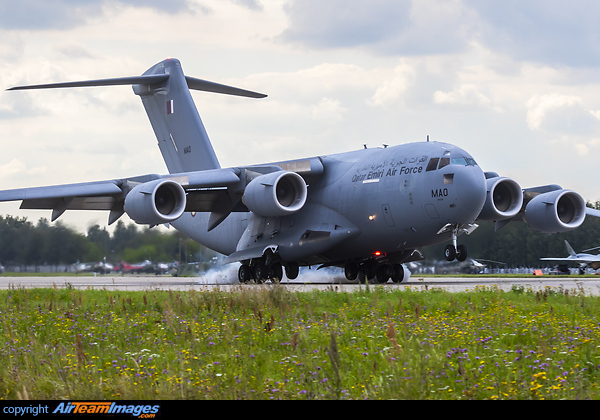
x=367, y=211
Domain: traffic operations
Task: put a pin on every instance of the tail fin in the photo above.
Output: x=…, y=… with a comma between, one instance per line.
x=572, y=253
x=164, y=91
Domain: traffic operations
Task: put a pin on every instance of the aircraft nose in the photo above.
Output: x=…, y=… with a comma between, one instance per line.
x=471, y=192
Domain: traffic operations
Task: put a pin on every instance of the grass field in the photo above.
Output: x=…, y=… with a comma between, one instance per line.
x=270, y=343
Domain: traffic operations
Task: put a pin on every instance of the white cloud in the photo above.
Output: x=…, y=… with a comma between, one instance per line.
x=392, y=89
x=17, y=168
x=585, y=148
x=554, y=111
x=329, y=110
x=466, y=95
x=250, y=4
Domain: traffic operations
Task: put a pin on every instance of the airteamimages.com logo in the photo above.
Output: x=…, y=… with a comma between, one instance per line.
x=142, y=411
x=71, y=408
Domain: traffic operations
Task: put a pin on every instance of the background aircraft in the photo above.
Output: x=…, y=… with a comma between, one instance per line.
x=368, y=211
x=584, y=260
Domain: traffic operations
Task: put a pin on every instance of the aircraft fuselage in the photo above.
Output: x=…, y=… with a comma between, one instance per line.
x=369, y=201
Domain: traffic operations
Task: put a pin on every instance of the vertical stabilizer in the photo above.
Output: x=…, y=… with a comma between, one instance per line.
x=572, y=252
x=181, y=136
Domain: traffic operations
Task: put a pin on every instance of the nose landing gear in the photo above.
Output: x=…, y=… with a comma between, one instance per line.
x=456, y=252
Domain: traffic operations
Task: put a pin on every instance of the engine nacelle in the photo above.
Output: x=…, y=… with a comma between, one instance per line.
x=504, y=199
x=275, y=194
x=555, y=211
x=155, y=202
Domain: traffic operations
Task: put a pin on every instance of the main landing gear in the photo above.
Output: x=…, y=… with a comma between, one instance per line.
x=371, y=270
x=263, y=269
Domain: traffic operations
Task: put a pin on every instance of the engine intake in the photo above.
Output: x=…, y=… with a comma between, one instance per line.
x=504, y=199
x=155, y=202
x=276, y=194
x=556, y=211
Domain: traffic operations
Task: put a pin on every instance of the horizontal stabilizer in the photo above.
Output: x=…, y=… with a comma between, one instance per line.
x=206, y=86
x=150, y=79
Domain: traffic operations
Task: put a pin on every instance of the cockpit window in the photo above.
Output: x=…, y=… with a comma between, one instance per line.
x=432, y=165
x=464, y=161
x=439, y=163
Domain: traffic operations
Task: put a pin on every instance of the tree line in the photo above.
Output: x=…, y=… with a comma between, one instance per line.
x=23, y=243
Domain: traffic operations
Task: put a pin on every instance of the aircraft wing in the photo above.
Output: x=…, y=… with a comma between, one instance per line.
x=581, y=260
x=217, y=191
x=592, y=212
x=567, y=259
x=204, y=189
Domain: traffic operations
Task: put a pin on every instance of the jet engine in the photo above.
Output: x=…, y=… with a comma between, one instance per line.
x=155, y=202
x=275, y=194
x=555, y=211
x=504, y=199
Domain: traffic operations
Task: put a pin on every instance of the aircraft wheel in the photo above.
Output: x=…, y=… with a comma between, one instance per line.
x=292, y=270
x=369, y=269
x=461, y=253
x=398, y=275
x=244, y=273
x=450, y=253
x=261, y=272
x=351, y=270
x=383, y=273
x=276, y=272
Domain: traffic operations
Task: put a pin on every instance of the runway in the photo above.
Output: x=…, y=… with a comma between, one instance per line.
x=589, y=286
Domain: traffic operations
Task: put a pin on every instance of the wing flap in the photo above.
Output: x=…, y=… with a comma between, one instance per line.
x=77, y=203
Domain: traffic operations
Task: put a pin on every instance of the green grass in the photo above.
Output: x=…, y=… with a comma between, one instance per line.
x=271, y=343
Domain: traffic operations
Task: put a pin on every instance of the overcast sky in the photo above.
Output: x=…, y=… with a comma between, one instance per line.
x=516, y=83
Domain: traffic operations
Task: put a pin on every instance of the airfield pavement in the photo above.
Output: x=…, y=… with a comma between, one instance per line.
x=589, y=286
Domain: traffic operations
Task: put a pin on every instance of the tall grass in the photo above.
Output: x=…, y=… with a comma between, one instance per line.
x=271, y=343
